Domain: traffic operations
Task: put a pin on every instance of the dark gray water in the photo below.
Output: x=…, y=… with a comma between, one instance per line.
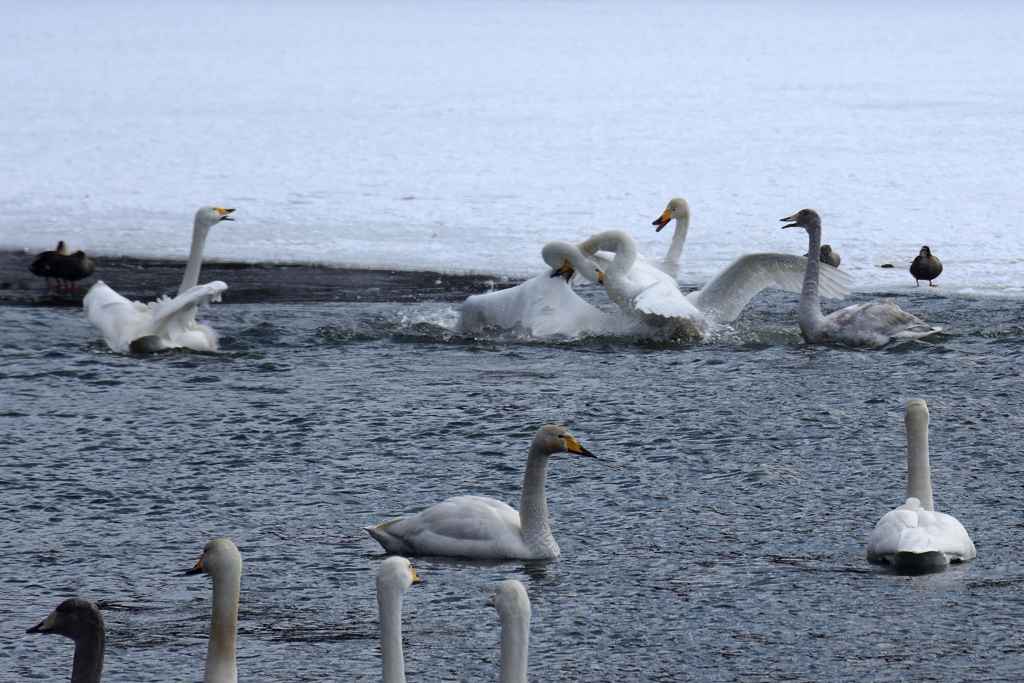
x=720, y=536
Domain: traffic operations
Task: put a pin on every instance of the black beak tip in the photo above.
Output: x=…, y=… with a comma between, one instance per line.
x=192, y=572
x=585, y=453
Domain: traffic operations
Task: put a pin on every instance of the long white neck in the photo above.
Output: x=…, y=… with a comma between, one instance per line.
x=675, y=250
x=220, y=654
x=616, y=282
x=389, y=604
x=808, y=313
x=88, y=663
x=919, y=479
x=515, y=646
x=195, y=257
x=533, y=504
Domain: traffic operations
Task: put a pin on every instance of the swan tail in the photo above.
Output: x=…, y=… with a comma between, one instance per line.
x=388, y=541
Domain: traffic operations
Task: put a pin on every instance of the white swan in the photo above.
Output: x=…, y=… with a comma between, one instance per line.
x=80, y=620
x=165, y=323
x=869, y=325
x=544, y=305
x=641, y=290
x=724, y=296
x=513, y=606
x=484, y=528
x=913, y=535
x=394, y=577
x=220, y=559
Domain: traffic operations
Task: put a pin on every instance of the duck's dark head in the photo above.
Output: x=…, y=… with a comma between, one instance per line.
x=926, y=252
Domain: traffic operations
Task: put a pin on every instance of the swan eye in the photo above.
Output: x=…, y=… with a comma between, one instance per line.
x=561, y=436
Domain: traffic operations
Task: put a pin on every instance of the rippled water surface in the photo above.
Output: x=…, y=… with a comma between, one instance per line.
x=719, y=537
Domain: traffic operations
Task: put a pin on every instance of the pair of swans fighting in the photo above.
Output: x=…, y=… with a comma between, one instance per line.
x=165, y=323
x=645, y=290
x=81, y=620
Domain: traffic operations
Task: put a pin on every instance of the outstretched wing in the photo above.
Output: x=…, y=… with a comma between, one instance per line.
x=175, y=317
x=725, y=295
x=118, y=319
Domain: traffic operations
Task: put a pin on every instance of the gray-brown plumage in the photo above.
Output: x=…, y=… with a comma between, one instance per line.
x=828, y=257
x=925, y=267
x=80, y=620
x=77, y=266
x=44, y=262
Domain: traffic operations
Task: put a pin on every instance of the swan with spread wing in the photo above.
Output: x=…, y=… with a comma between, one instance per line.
x=165, y=323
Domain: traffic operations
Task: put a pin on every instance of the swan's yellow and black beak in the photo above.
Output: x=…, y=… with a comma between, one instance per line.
x=792, y=220
x=415, y=577
x=566, y=270
x=600, y=277
x=46, y=625
x=198, y=569
x=573, y=446
x=661, y=222
x=224, y=213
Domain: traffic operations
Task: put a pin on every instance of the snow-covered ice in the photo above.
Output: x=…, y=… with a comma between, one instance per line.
x=461, y=136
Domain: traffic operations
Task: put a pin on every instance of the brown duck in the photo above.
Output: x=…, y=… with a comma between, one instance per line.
x=926, y=267
x=72, y=268
x=44, y=262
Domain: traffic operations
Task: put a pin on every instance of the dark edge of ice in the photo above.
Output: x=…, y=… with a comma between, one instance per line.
x=248, y=283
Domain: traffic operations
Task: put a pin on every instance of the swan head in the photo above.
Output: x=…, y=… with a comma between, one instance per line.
x=804, y=218
x=917, y=412
x=565, y=258
x=553, y=439
x=926, y=252
x=220, y=556
x=677, y=209
x=511, y=599
x=74, y=618
x=208, y=216
x=396, y=572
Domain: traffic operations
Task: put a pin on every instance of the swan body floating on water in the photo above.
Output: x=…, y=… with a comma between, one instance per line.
x=80, y=620
x=484, y=528
x=640, y=289
x=513, y=605
x=165, y=323
x=42, y=265
x=544, y=305
x=868, y=325
x=727, y=293
x=914, y=535
x=926, y=266
x=221, y=560
x=394, y=577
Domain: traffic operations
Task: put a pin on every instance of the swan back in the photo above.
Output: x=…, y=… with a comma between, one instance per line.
x=513, y=605
x=80, y=620
x=222, y=561
x=394, y=577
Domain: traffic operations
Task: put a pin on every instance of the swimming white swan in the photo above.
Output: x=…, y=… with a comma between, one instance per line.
x=394, y=577
x=914, y=535
x=724, y=296
x=640, y=289
x=869, y=325
x=513, y=606
x=80, y=620
x=220, y=559
x=544, y=305
x=484, y=528
x=165, y=323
